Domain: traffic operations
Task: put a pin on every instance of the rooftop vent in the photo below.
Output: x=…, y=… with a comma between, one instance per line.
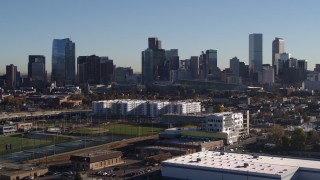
x=198, y=159
x=245, y=165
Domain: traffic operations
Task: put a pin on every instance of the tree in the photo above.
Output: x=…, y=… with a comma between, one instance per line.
x=298, y=139
x=275, y=135
x=286, y=142
x=314, y=137
x=78, y=176
x=76, y=97
x=219, y=108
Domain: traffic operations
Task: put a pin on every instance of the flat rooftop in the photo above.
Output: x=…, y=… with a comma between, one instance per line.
x=11, y=168
x=188, y=140
x=267, y=165
x=97, y=153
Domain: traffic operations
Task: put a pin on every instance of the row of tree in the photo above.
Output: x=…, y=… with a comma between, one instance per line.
x=295, y=140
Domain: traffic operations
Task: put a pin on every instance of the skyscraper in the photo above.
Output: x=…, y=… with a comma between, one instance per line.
x=154, y=67
x=89, y=69
x=12, y=76
x=255, y=53
x=106, y=70
x=94, y=69
x=147, y=66
x=234, y=66
x=277, y=49
x=154, y=43
x=63, y=61
x=203, y=64
x=37, y=68
x=194, y=67
x=212, y=59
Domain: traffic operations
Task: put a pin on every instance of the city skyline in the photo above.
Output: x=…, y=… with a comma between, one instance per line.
x=120, y=29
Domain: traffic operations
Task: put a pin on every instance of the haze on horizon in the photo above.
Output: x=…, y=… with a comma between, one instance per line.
x=120, y=29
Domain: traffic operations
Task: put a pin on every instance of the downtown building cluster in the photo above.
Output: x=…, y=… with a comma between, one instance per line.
x=160, y=65
x=164, y=65
x=66, y=70
x=148, y=108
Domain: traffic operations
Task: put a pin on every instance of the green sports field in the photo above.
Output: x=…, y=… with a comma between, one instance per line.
x=119, y=129
x=21, y=143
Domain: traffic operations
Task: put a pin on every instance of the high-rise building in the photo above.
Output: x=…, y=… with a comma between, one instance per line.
x=94, y=69
x=255, y=53
x=243, y=70
x=154, y=43
x=302, y=64
x=203, y=63
x=277, y=49
x=12, y=76
x=212, y=59
x=283, y=63
x=234, y=66
x=267, y=74
x=317, y=68
x=154, y=66
x=172, y=59
x=147, y=66
x=35, y=59
x=63, y=61
x=89, y=69
x=37, y=70
x=123, y=75
x=194, y=67
x=106, y=70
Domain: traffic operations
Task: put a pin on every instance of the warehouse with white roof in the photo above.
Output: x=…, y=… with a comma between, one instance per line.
x=233, y=166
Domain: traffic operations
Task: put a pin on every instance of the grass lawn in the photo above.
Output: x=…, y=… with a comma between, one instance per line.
x=119, y=129
x=20, y=143
x=204, y=134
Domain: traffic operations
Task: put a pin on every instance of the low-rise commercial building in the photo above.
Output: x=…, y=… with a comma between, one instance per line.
x=10, y=171
x=7, y=129
x=95, y=160
x=226, y=122
x=234, y=125
x=216, y=165
x=24, y=126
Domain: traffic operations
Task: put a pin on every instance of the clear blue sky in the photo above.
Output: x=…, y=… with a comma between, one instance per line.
x=120, y=28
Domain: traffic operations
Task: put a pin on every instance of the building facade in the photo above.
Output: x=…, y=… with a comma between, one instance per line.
x=267, y=75
x=255, y=53
x=12, y=76
x=95, y=160
x=226, y=122
x=277, y=49
x=212, y=59
x=63, y=61
x=234, y=66
x=144, y=108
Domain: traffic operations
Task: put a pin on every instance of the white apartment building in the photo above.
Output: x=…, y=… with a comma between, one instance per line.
x=159, y=107
x=225, y=122
x=182, y=107
x=145, y=108
x=99, y=107
x=128, y=107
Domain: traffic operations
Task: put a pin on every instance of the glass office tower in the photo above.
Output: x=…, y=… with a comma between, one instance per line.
x=63, y=61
